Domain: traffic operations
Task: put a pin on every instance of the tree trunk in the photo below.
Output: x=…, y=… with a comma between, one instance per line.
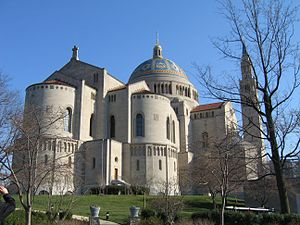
x=223, y=210
x=283, y=197
x=28, y=215
x=213, y=196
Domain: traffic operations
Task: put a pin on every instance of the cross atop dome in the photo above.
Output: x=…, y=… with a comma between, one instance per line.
x=157, y=50
x=157, y=38
x=75, y=53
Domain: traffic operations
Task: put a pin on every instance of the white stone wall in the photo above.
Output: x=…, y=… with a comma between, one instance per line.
x=216, y=122
x=101, y=160
x=155, y=109
x=51, y=102
x=154, y=166
x=87, y=108
x=59, y=154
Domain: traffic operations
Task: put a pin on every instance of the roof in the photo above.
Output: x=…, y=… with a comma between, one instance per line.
x=55, y=82
x=143, y=91
x=117, y=88
x=205, y=107
x=157, y=66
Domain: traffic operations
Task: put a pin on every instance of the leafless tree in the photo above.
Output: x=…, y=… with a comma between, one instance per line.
x=9, y=108
x=222, y=168
x=262, y=190
x=265, y=29
x=170, y=203
x=36, y=161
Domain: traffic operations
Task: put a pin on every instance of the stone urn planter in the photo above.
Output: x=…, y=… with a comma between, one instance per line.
x=134, y=211
x=94, y=211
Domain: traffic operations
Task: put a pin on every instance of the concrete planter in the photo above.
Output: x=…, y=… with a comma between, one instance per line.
x=134, y=211
x=94, y=211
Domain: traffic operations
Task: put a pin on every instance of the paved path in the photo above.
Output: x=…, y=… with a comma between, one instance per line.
x=85, y=218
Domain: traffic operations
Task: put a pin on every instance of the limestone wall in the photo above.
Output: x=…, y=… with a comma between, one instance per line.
x=155, y=110
x=50, y=102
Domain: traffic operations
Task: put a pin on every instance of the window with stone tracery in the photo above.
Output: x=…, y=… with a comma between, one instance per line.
x=205, y=140
x=168, y=128
x=140, y=125
x=112, y=127
x=68, y=120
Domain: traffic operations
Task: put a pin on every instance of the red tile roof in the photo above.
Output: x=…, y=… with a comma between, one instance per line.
x=205, y=107
x=143, y=92
x=55, y=82
x=117, y=88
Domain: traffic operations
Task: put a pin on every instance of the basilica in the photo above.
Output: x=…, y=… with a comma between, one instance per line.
x=144, y=132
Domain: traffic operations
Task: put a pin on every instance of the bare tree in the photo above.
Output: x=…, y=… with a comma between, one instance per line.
x=37, y=158
x=170, y=203
x=265, y=29
x=262, y=190
x=9, y=108
x=222, y=168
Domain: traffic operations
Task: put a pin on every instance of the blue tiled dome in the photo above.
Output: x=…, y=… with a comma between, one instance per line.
x=157, y=66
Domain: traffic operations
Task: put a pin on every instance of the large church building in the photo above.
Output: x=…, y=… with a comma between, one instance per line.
x=143, y=132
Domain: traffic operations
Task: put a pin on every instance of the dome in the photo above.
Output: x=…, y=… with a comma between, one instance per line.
x=157, y=66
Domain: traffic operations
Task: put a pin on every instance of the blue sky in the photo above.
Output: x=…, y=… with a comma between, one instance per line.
x=37, y=35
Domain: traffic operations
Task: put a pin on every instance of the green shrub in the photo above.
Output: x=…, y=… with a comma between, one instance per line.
x=209, y=215
x=139, y=190
x=248, y=218
x=114, y=190
x=272, y=218
x=146, y=213
x=18, y=218
x=151, y=221
x=65, y=215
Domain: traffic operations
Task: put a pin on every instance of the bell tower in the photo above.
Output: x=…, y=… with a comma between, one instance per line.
x=252, y=125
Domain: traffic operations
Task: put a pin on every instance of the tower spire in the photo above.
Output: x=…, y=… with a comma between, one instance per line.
x=157, y=50
x=246, y=67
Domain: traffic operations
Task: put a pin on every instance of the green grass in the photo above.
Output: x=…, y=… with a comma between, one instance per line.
x=118, y=205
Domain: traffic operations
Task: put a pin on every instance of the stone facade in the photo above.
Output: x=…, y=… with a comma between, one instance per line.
x=142, y=133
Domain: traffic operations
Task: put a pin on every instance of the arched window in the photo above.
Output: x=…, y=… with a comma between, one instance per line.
x=92, y=125
x=68, y=120
x=205, y=140
x=137, y=164
x=53, y=146
x=162, y=88
x=140, y=126
x=69, y=161
x=160, y=164
x=173, y=125
x=112, y=126
x=168, y=128
x=46, y=159
x=170, y=89
x=154, y=88
x=94, y=163
x=166, y=88
x=59, y=146
x=174, y=166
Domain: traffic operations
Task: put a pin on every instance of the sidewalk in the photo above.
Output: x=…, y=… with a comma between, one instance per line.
x=85, y=218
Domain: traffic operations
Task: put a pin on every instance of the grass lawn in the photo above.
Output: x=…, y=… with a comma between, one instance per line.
x=118, y=205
